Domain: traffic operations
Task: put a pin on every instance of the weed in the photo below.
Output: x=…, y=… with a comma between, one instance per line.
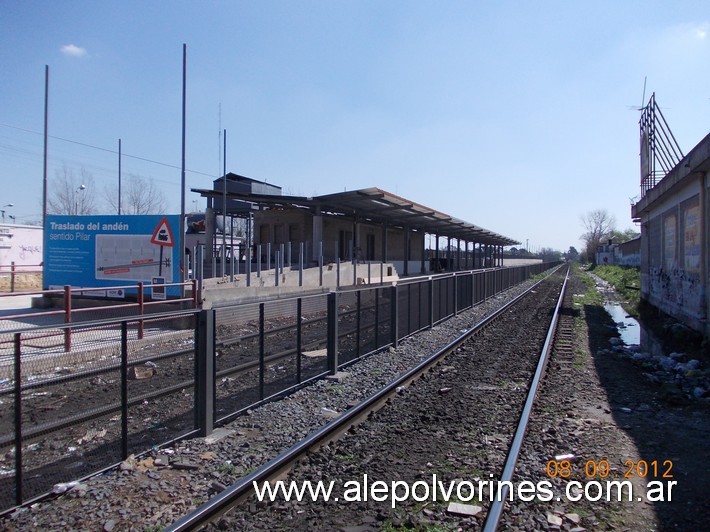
x=625, y=280
x=228, y=468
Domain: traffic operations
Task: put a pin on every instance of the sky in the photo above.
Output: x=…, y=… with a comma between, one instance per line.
x=519, y=117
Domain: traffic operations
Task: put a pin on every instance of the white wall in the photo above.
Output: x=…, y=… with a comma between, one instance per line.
x=21, y=244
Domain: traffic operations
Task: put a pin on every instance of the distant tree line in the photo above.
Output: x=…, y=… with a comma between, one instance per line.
x=75, y=193
x=600, y=228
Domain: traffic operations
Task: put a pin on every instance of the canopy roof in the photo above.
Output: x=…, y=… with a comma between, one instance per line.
x=373, y=205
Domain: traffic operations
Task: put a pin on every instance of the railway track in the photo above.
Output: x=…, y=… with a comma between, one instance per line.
x=65, y=408
x=461, y=376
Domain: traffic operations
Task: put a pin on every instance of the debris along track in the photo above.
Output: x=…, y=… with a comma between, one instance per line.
x=454, y=423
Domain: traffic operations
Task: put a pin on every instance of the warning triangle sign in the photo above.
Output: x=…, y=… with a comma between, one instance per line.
x=163, y=235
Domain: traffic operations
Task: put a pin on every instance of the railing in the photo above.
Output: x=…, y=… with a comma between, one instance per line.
x=70, y=314
x=14, y=270
x=254, y=263
x=71, y=413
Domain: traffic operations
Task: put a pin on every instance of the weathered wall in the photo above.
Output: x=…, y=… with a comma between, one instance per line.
x=298, y=226
x=21, y=244
x=673, y=241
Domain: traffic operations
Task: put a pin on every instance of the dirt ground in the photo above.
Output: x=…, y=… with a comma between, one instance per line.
x=654, y=420
x=23, y=281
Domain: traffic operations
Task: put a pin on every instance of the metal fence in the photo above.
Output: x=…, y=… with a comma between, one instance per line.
x=76, y=412
x=66, y=414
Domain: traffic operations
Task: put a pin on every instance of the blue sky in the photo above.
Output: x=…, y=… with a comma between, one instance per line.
x=516, y=116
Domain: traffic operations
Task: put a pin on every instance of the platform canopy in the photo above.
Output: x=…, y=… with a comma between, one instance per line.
x=374, y=206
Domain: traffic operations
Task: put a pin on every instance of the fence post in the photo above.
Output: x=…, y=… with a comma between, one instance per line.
x=431, y=302
x=247, y=263
x=67, y=317
x=141, y=308
x=262, y=353
x=394, y=315
x=12, y=276
x=300, y=264
x=377, y=318
x=18, y=421
x=320, y=263
x=409, y=309
x=474, y=289
x=299, y=330
x=205, y=372
x=124, y=390
x=358, y=323
x=258, y=261
x=199, y=266
x=332, y=342
x=456, y=294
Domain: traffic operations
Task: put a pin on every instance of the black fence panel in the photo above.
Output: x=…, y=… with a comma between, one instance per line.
x=238, y=341
x=349, y=325
x=280, y=353
x=160, y=388
x=314, y=332
x=117, y=388
x=77, y=411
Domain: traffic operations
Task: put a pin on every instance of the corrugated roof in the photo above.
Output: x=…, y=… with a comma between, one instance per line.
x=373, y=205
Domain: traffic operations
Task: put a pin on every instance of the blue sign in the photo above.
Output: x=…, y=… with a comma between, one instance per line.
x=103, y=251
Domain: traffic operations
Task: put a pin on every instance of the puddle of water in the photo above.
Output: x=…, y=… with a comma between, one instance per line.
x=631, y=331
x=628, y=327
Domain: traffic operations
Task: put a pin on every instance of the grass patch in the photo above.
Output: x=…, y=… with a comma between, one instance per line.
x=228, y=468
x=625, y=280
x=580, y=358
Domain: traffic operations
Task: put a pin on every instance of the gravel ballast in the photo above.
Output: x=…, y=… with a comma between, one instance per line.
x=144, y=493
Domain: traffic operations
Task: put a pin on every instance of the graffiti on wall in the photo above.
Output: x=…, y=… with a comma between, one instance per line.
x=677, y=292
x=669, y=242
x=691, y=239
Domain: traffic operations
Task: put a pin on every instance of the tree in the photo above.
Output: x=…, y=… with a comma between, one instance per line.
x=71, y=194
x=139, y=195
x=549, y=254
x=598, y=225
x=572, y=254
x=619, y=237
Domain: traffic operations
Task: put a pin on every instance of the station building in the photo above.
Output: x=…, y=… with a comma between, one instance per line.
x=675, y=228
x=368, y=225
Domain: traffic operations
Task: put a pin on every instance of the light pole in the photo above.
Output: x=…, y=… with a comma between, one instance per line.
x=76, y=202
x=3, y=210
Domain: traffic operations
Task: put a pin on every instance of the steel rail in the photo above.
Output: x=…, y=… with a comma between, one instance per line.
x=175, y=387
x=242, y=489
x=496, y=509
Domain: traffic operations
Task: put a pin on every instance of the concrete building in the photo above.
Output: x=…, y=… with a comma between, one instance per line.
x=625, y=254
x=358, y=226
x=629, y=253
x=675, y=231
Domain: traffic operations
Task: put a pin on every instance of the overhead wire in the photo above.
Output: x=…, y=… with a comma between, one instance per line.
x=109, y=150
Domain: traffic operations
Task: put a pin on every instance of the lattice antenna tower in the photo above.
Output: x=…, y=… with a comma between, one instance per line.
x=660, y=151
